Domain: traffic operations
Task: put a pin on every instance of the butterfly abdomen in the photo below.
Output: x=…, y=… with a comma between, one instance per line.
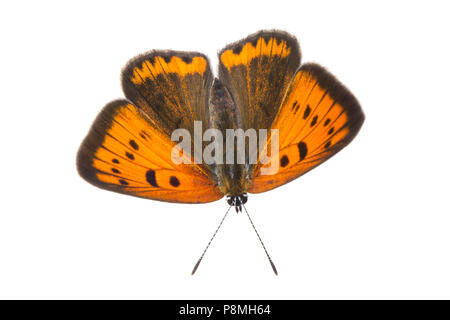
x=225, y=116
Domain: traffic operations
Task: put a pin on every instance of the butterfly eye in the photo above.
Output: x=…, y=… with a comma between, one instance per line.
x=244, y=198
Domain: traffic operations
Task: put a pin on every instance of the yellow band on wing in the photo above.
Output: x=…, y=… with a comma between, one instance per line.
x=249, y=51
x=176, y=65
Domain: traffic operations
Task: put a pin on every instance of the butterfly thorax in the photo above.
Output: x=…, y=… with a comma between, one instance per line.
x=232, y=177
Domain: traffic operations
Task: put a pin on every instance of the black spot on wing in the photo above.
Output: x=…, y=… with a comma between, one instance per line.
x=331, y=131
x=307, y=112
x=144, y=135
x=314, y=120
x=134, y=145
x=302, y=150
x=284, y=161
x=115, y=160
x=115, y=170
x=129, y=155
x=123, y=182
x=174, y=182
x=151, y=177
x=295, y=107
x=326, y=122
x=327, y=145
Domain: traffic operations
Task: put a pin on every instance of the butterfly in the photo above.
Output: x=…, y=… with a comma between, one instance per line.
x=260, y=85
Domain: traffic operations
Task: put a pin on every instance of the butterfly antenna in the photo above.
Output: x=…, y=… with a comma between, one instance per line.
x=262, y=243
x=209, y=243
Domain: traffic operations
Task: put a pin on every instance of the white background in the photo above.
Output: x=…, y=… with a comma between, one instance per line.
x=373, y=222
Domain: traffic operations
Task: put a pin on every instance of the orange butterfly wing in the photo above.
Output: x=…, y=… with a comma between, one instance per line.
x=126, y=153
x=257, y=71
x=317, y=118
x=128, y=148
x=172, y=88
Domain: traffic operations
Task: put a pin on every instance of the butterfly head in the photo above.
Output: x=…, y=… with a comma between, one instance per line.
x=237, y=201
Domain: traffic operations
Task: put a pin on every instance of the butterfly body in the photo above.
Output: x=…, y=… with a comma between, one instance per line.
x=224, y=115
x=261, y=86
x=237, y=201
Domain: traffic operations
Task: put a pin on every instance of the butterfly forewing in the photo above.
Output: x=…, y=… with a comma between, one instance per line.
x=318, y=117
x=125, y=152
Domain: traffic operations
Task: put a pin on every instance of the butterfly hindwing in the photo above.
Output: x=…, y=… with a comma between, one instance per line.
x=317, y=118
x=172, y=87
x=125, y=152
x=257, y=71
